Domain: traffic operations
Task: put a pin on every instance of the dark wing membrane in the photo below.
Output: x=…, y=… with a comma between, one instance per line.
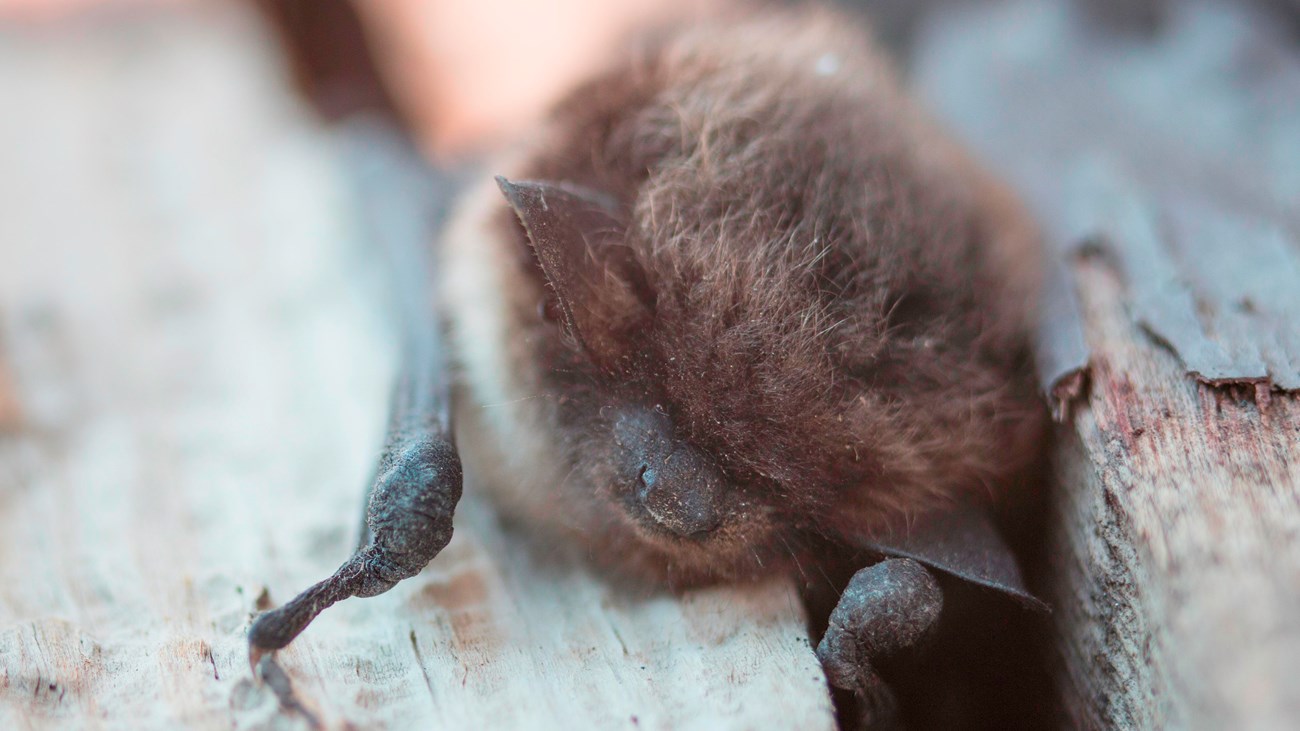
x=963, y=543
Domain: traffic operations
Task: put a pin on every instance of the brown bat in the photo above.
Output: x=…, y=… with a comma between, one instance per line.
x=738, y=308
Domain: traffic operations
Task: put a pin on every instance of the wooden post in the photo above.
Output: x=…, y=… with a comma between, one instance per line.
x=1164, y=173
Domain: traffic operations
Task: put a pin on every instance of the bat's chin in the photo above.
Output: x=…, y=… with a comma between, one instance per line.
x=641, y=549
x=670, y=543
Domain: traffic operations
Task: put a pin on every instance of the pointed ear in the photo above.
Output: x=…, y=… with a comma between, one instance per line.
x=578, y=236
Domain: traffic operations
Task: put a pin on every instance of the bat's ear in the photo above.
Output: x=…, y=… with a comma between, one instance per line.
x=578, y=235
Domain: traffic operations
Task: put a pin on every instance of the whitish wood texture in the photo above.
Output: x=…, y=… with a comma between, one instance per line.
x=194, y=334
x=1166, y=169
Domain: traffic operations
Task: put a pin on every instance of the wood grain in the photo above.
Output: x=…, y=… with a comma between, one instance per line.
x=196, y=332
x=1174, y=543
x=1163, y=169
x=1186, y=140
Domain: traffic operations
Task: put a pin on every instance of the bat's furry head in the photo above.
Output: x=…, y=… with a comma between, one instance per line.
x=739, y=293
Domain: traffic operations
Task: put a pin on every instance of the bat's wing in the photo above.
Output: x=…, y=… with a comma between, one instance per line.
x=960, y=542
x=401, y=204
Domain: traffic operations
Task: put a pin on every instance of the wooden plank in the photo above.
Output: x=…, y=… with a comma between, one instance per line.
x=196, y=335
x=10, y=414
x=1102, y=131
x=1177, y=569
x=1164, y=172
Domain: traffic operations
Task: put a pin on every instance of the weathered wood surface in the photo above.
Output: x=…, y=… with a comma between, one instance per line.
x=195, y=335
x=1175, y=542
x=1166, y=169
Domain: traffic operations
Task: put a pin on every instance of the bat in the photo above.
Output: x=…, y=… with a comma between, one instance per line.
x=738, y=308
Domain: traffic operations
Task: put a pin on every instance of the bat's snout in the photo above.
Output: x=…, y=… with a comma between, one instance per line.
x=672, y=485
x=682, y=494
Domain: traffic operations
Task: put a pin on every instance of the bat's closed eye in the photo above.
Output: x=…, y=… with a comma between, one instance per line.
x=549, y=310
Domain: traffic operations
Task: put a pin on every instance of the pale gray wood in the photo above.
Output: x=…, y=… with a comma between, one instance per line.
x=1179, y=153
x=197, y=338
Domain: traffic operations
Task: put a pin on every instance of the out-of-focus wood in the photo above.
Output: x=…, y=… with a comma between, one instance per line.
x=197, y=334
x=1164, y=171
x=10, y=412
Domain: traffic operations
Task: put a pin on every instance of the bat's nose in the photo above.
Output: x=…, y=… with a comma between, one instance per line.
x=682, y=493
x=673, y=485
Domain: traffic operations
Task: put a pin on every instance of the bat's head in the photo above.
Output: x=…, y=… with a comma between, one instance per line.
x=717, y=409
x=722, y=403
x=645, y=482
x=747, y=316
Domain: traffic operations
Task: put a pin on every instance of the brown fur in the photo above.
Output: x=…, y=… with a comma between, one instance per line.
x=837, y=308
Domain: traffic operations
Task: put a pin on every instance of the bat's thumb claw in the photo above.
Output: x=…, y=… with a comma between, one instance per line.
x=255, y=654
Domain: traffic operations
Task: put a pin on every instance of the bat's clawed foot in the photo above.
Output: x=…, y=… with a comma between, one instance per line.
x=887, y=610
x=409, y=517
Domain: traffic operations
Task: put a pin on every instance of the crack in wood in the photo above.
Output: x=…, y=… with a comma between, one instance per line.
x=419, y=660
